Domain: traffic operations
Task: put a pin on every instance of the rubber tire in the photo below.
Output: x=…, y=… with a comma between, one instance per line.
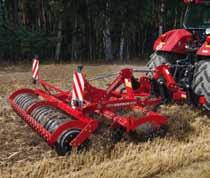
x=201, y=80
x=156, y=60
x=62, y=147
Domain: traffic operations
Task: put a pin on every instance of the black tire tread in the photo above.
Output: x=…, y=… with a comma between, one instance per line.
x=201, y=79
x=155, y=61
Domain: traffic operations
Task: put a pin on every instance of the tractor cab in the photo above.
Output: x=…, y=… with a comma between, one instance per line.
x=197, y=18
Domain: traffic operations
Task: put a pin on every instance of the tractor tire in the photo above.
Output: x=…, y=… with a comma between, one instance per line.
x=201, y=80
x=156, y=60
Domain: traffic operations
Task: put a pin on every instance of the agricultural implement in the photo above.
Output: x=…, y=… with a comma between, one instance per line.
x=67, y=119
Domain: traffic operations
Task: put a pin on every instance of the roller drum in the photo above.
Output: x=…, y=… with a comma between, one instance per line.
x=40, y=113
x=43, y=116
x=37, y=111
x=25, y=100
x=51, y=115
x=51, y=119
x=29, y=103
x=56, y=124
x=20, y=98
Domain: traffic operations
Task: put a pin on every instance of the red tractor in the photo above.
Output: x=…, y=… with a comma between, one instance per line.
x=187, y=51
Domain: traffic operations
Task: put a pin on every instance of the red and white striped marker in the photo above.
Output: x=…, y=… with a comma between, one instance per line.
x=78, y=90
x=35, y=70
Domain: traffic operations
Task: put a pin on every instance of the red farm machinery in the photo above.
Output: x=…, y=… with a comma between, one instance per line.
x=179, y=71
x=66, y=119
x=187, y=52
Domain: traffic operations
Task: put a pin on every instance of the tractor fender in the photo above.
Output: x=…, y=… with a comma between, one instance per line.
x=173, y=41
x=204, y=50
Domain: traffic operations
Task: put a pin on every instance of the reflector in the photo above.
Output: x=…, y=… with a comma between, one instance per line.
x=208, y=39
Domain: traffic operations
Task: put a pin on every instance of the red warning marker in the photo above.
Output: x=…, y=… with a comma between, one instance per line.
x=35, y=70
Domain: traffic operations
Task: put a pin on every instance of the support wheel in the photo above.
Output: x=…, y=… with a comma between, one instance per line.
x=62, y=146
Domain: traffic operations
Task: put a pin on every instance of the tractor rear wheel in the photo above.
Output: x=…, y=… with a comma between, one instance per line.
x=201, y=80
x=156, y=59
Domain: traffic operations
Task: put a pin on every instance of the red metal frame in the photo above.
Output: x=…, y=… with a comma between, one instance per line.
x=103, y=102
x=108, y=102
x=177, y=93
x=99, y=101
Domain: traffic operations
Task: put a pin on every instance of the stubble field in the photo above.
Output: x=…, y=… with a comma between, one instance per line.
x=184, y=151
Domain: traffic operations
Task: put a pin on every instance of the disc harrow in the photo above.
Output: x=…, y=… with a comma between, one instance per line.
x=65, y=119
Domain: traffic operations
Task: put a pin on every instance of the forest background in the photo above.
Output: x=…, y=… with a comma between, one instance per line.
x=84, y=30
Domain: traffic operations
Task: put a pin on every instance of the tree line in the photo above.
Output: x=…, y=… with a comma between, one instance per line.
x=84, y=30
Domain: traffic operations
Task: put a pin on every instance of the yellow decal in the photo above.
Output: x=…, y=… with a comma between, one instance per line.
x=128, y=83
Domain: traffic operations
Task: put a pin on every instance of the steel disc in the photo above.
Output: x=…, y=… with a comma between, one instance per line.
x=41, y=111
x=44, y=115
x=26, y=100
x=30, y=102
x=51, y=115
x=19, y=99
x=55, y=125
x=51, y=122
x=37, y=111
